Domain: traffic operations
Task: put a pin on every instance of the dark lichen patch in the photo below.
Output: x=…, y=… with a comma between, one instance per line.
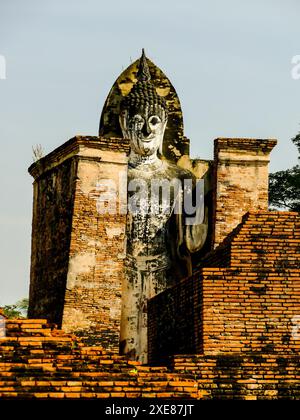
x=259, y=289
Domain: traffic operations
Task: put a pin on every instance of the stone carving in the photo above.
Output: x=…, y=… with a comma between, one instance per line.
x=161, y=233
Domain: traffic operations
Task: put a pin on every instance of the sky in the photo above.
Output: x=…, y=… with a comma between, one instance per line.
x=230, y=62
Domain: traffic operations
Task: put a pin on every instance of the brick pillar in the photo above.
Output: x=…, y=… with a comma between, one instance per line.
x=240, y=181
x=77, y=253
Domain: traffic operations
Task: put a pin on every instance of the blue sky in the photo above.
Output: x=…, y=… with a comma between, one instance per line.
x=230, y=62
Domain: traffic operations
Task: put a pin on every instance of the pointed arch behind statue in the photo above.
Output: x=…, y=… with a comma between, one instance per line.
x=175, y=143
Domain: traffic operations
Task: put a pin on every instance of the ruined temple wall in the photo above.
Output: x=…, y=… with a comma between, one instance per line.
x=61, y=366
x=250, y=311
x=174, y=321
x=236, y=181
x=240, y=178
x=92, y=305
x=246, y=377
x=51, y=231
x=77, y=252
x=252, y=306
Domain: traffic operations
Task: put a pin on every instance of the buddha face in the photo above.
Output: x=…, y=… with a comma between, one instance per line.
x=144, y=130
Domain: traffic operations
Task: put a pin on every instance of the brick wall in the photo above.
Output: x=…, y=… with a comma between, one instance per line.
x=250, y=306
x=173, y=321
x=51, y=233
x=241, y=181
x=245, y=377
x=77, y=253
x=39, y=361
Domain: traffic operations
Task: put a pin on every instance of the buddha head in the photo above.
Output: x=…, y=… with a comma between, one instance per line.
x=143, y=114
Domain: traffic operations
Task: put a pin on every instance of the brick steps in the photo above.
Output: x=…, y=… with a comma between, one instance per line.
x=39, y=361
x=238, y=307
x=78, y=371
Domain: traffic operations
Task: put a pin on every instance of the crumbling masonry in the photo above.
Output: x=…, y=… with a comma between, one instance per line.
x=230, y=330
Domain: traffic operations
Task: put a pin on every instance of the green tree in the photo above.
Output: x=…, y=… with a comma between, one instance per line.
x=17, y=310
x=284, y=186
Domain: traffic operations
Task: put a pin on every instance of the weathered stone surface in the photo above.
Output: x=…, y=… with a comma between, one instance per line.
x=77, y=253
x=160, y=234
x=176, y=144
x=240, y=181
x=51, y=234
x=236, y=316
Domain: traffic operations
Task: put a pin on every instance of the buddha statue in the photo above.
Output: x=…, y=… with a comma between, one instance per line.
x=159, y=233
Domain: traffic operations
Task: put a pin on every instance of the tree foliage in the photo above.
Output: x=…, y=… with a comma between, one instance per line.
x=284, y=186
x=17, y=310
